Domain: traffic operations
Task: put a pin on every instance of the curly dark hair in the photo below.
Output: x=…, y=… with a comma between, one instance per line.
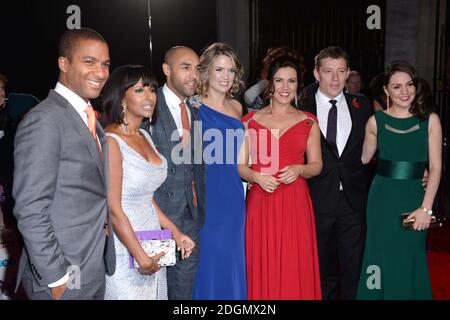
x=275, y=52
x=278, y=63
x=420, y=106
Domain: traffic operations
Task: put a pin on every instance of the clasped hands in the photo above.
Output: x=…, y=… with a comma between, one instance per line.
x=184, y=244
x=286, y=175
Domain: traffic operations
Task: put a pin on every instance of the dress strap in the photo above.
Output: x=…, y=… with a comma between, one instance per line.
x=115, y=137
x=311, y=116
x=248, y=116
x=122, y=144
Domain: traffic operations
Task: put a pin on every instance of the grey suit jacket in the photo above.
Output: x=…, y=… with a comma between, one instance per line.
x=60, y=188
x=176, y=192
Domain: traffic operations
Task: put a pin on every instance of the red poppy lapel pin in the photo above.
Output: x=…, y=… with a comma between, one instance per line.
x=355, y=103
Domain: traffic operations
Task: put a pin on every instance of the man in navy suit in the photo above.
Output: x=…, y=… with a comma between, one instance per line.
x=181, y=197
x=339, y=193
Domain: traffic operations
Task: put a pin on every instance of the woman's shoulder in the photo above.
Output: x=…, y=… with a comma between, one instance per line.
x=114, y=134
x=310, y=116
x=236, y=106
x=434, y=117
x=433, y=120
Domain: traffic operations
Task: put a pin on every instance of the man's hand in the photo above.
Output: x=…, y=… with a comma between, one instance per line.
x=57, y=292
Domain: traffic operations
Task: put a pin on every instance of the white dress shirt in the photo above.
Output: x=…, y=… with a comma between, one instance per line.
x=75, y=100
x=173, y=102
x=344, y=121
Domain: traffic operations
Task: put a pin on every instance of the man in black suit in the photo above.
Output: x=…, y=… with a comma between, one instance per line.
x=339, y=193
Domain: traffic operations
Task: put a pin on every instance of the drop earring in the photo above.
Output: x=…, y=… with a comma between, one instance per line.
x=387, y=105
x=124, y=124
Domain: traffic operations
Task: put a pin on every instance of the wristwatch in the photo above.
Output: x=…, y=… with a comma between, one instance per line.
x=427, y=211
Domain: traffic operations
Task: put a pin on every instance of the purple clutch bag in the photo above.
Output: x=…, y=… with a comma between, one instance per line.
x=154, y=242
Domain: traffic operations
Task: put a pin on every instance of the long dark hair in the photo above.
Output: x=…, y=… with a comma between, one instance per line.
x=119, y=82
x=420, y=106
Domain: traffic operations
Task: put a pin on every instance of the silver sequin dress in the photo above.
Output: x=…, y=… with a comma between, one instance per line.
x=140, y=180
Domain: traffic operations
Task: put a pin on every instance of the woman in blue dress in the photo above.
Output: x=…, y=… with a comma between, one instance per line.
x=221, y=270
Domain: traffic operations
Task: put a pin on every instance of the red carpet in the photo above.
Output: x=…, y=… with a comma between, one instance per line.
x=439, y=262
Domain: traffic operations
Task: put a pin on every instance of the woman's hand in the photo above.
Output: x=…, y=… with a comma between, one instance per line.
x=289, y=173
x=267, y=182
x=184, y=244
x=150, y=265
x=422, y=219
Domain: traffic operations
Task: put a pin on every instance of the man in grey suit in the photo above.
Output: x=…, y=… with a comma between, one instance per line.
x=182, y=195
x=60, y=180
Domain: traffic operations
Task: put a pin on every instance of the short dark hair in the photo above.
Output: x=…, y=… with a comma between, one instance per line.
x=333, y=53
x=71, y=38
x=420, y=106
x=278, y=63
x=123, y=78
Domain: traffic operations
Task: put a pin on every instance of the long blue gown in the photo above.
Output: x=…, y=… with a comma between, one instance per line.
x=221, y=270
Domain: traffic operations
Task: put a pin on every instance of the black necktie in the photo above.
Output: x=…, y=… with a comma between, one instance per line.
x=332, y=126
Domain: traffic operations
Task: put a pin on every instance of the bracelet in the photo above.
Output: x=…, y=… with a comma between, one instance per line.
x=427, y=211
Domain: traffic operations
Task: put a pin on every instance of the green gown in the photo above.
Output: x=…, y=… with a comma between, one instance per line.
x=395, y=262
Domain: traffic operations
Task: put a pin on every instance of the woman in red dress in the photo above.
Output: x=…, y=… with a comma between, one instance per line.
x=281, y=250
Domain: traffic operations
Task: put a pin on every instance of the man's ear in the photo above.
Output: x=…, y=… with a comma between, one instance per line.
x=63, y=64
x=166, y=69
x=348, y=74
x=316, y=74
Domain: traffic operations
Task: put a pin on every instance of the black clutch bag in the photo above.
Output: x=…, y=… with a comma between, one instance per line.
x=408, y=223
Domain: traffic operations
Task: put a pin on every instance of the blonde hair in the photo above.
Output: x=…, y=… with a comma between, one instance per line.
x=206, y=61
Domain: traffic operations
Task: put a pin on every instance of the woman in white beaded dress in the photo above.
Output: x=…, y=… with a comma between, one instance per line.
x=136, y=170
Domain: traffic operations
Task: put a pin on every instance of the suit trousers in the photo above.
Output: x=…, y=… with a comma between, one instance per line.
x=181, y=276
x=340, y=241
x=91, y=291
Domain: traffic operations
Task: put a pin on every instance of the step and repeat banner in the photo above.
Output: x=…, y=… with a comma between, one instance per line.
x=9, y=259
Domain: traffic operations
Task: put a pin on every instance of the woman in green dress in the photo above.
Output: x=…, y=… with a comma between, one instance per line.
x=408, y=138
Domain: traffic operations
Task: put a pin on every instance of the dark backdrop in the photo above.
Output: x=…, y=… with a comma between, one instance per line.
x=310, y=26
x=31, y=30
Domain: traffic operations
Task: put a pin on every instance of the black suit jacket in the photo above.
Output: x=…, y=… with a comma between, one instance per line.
x=347, y=168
